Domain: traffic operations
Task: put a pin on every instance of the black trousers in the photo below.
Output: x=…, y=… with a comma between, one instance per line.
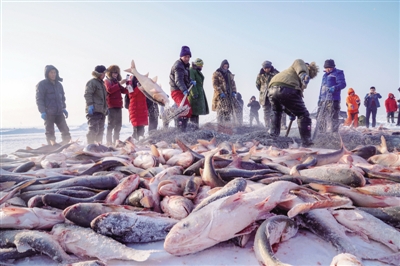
x=267, y=115
x=114, y=123
x=153, y=121
x=254, y=116
x=137, y=132
x=195, y=120
x=96, y=123
x=371, y=111
x=61, y=124
x=390, y=115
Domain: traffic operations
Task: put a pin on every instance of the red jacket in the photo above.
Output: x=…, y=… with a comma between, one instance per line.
x=391, y=104
x=138, y=114
x=114, y=90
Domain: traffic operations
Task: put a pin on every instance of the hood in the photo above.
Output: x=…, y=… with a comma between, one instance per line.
x=223, y=63
x=313, y=70
x=391, y=94
x=111, y=69
x=48, y=68
x=350, y=91
x=263, y=72
x=238, y=96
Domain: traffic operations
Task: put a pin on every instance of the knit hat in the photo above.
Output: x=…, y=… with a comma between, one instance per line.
x=185, y=51
x=198, y=62
x=100, y=69
x=266, y=64
x=329, y=63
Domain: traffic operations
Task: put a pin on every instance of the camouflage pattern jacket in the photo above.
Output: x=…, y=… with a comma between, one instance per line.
x=219, y=85
x=262, y=83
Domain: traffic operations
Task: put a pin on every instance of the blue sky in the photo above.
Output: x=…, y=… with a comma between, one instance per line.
x=362, y=38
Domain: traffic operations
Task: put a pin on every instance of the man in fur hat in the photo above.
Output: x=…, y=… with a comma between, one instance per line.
x=114, y=88
x=179, y=81
x=96, y=105
x=286, y=90
x=267, y=72
x=50, y=99
x=224, y=99
x=333, y=82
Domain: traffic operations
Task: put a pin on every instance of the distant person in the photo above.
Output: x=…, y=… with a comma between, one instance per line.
x=263, y=78
x=286, y=90
x=254, y=107
x=224, y=98
x=197, y=96
x=398, y=114
x=114, y=88
x=353, y=104
x=179, y=81
x=50, y=99
x=239, y=112
x=153, y=112
x=138, y=113
x=372, y=104
x=391, y=107
x=96, y=105
x=333, y=82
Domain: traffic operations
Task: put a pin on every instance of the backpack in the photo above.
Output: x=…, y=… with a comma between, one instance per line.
x=126, y=101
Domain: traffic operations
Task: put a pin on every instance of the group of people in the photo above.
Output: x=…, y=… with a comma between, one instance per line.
x=281, y=94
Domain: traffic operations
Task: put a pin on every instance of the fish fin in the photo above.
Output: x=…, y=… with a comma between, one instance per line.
x=261, y=204
x=133, y=66
x=247, y=230
x=321, y=188
x=154, y=79
x=231, y=202
x=364, y=191
x=201, y=171
x=28, y=148
x=147, y=75
x=236, y=162
x=234, y=150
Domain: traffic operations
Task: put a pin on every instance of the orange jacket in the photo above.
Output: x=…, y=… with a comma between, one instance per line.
x=352, y=101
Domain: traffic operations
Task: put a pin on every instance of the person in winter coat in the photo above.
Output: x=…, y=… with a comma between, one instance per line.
x=333, y=82
x=372, y=104
x=114, y=88
x=391, y=107
x=224, y=99
x=263, y=78
x=286, y=90
x=50, y=100
x=353, y=104
x=254, y=107
x=398, y=114
x=239, y=110
x=153, y=111
x=179, y=81
x=138, y=113
x=96, y=105
x=197, y=96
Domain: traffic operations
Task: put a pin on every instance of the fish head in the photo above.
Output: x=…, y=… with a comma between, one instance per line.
x=189, y=234
x=169, y=187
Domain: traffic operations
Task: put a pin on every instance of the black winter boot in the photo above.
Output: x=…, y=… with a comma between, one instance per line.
x=275, y=129
x=305, y=131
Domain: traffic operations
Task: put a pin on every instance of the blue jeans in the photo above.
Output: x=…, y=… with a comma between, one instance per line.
x=371, y=110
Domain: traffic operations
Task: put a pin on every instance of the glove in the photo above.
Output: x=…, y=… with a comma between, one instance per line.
x=108, y=112
x=185, y=92
x=352, y=107
x=222, y=95
x=193, y=82
x=90, y=109
x=292, y=117
x=304, y=79
x=44, y=115
x=114, y=81
x=65, y=113
x=331, y=89
x=234, y=94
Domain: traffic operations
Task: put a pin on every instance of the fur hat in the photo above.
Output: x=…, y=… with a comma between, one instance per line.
x=185, y=51
x=266, y=64
x=98, y=70
x=312, y=70
x=329, y=63
x=48, y=68
x=113, y=69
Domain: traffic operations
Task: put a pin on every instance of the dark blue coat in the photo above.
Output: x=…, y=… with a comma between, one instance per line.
x=334, y=79
x=50, y=97
x=179, y=78
x=371, y=98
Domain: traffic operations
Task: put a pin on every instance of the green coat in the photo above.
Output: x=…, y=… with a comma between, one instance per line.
x=291, y=77
x=262, y=83
x=95, y=94
x=199, y=105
